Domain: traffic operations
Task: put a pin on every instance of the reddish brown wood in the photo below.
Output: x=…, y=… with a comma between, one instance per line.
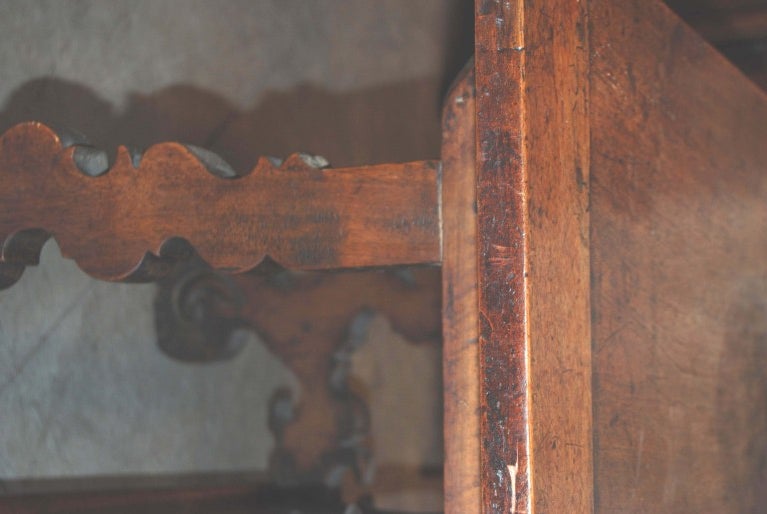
x=505, y=436
x=116, y=225
x=243, y=498
x=671, y=138
x=679, y=281
x=533, y=165
x=203, y=500
x=227, y=500
x=459, y=293
x=314, y=323
x=557, y=167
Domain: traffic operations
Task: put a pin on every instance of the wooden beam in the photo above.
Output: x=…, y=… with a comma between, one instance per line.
x=128, y=496
x=125, y=223
x=460, y=322
x=533, y=190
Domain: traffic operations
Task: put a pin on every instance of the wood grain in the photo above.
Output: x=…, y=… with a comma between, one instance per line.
x=679, y=298
x=460, y=348
x=126, y=223
x=503, y=350
x=532, y=165
x=559, y=319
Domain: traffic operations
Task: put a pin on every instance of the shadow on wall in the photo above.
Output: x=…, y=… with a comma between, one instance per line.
x=390, y=123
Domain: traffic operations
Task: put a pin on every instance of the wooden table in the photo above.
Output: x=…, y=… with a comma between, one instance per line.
x=599, y=216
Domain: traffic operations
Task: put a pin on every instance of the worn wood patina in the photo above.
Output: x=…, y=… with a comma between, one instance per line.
x=126, y=223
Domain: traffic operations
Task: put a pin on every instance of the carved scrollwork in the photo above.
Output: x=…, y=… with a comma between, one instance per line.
x=125, y=222
x=198, y=314
x=314, y=323
x=352, y=451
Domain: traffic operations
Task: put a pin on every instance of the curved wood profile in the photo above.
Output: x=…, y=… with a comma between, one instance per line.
x=128, y=222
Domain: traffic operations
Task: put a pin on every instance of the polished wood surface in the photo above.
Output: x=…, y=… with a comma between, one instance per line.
x=505, y=472
x=678, y=217
x=122, y=224
x=533, y=165
x=621, y=190
x=460, y=350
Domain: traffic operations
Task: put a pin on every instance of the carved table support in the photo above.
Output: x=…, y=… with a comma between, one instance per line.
x=314, y=322
x=132, y=221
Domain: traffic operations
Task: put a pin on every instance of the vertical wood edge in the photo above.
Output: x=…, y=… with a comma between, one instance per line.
x=557, y=166
x=459, y=308
x=502, y=228
x=534, y=266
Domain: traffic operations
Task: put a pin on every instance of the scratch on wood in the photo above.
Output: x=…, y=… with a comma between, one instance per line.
x=502, y=255
x=513, y=468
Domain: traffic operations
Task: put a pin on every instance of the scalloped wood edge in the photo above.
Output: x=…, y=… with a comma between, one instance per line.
x=130, y=223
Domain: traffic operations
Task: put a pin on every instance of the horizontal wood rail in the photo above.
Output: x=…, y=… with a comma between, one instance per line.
x=131, y=221
x=246, y=498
